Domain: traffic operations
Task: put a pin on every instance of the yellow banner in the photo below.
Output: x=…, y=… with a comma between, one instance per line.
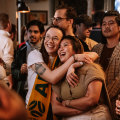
x=39, y=101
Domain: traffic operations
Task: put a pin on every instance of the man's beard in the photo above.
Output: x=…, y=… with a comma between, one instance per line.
x=32, y=41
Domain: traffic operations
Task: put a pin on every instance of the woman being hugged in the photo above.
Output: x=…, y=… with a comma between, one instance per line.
x=84, y=101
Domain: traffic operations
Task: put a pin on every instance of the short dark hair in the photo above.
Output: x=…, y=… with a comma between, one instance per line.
x=117, y=18
x=4, y=20
x=77, y=46
x=37, y=23
x=85, y=19
x=57, y=27
x=112, y=13
x=43, y=50
x=70, y=11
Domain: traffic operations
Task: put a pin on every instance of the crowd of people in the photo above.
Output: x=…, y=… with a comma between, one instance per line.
x=64, y=72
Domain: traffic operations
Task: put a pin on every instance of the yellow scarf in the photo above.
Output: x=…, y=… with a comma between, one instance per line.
x=39, y=101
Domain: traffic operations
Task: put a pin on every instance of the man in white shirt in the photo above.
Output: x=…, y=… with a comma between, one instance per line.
x=6, y=46
x=35, y=33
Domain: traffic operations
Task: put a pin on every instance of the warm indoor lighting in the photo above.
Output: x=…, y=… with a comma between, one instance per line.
x=23, y=8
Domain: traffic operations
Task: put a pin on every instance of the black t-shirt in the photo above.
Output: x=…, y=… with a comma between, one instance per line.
x=85, y=46
x=105, y=56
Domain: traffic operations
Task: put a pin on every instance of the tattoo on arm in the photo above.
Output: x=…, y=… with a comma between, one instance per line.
x=39, y=69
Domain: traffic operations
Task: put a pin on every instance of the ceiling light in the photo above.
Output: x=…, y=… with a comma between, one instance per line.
x=23, y=8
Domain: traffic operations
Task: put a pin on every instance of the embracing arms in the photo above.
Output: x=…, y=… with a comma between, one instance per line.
x=90, y=99
x=54, y=76
x=59, y=109
x=79, y=105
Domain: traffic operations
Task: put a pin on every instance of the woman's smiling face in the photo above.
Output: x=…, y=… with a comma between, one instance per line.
x=66, y=50
x=52, y=40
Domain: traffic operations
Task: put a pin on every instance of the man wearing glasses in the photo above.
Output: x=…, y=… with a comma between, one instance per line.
x=64, y=17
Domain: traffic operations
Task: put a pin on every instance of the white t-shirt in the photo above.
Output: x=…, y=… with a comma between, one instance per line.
x=2, y=73
x=34, y=57
x=6, y=49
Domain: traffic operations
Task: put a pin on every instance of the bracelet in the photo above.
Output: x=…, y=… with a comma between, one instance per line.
x=74, y=57
x=67, y=103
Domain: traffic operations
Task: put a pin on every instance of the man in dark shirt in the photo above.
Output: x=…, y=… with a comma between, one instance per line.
x=35, y=32
x=109, y=52
x=64, y=17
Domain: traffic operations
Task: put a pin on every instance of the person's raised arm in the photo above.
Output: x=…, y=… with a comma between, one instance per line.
x=53, y=76
x=92, y=55
x=71, y=76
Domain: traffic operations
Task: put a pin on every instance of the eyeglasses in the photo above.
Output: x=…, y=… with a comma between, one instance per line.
x=55, y=38
x=57, y=19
